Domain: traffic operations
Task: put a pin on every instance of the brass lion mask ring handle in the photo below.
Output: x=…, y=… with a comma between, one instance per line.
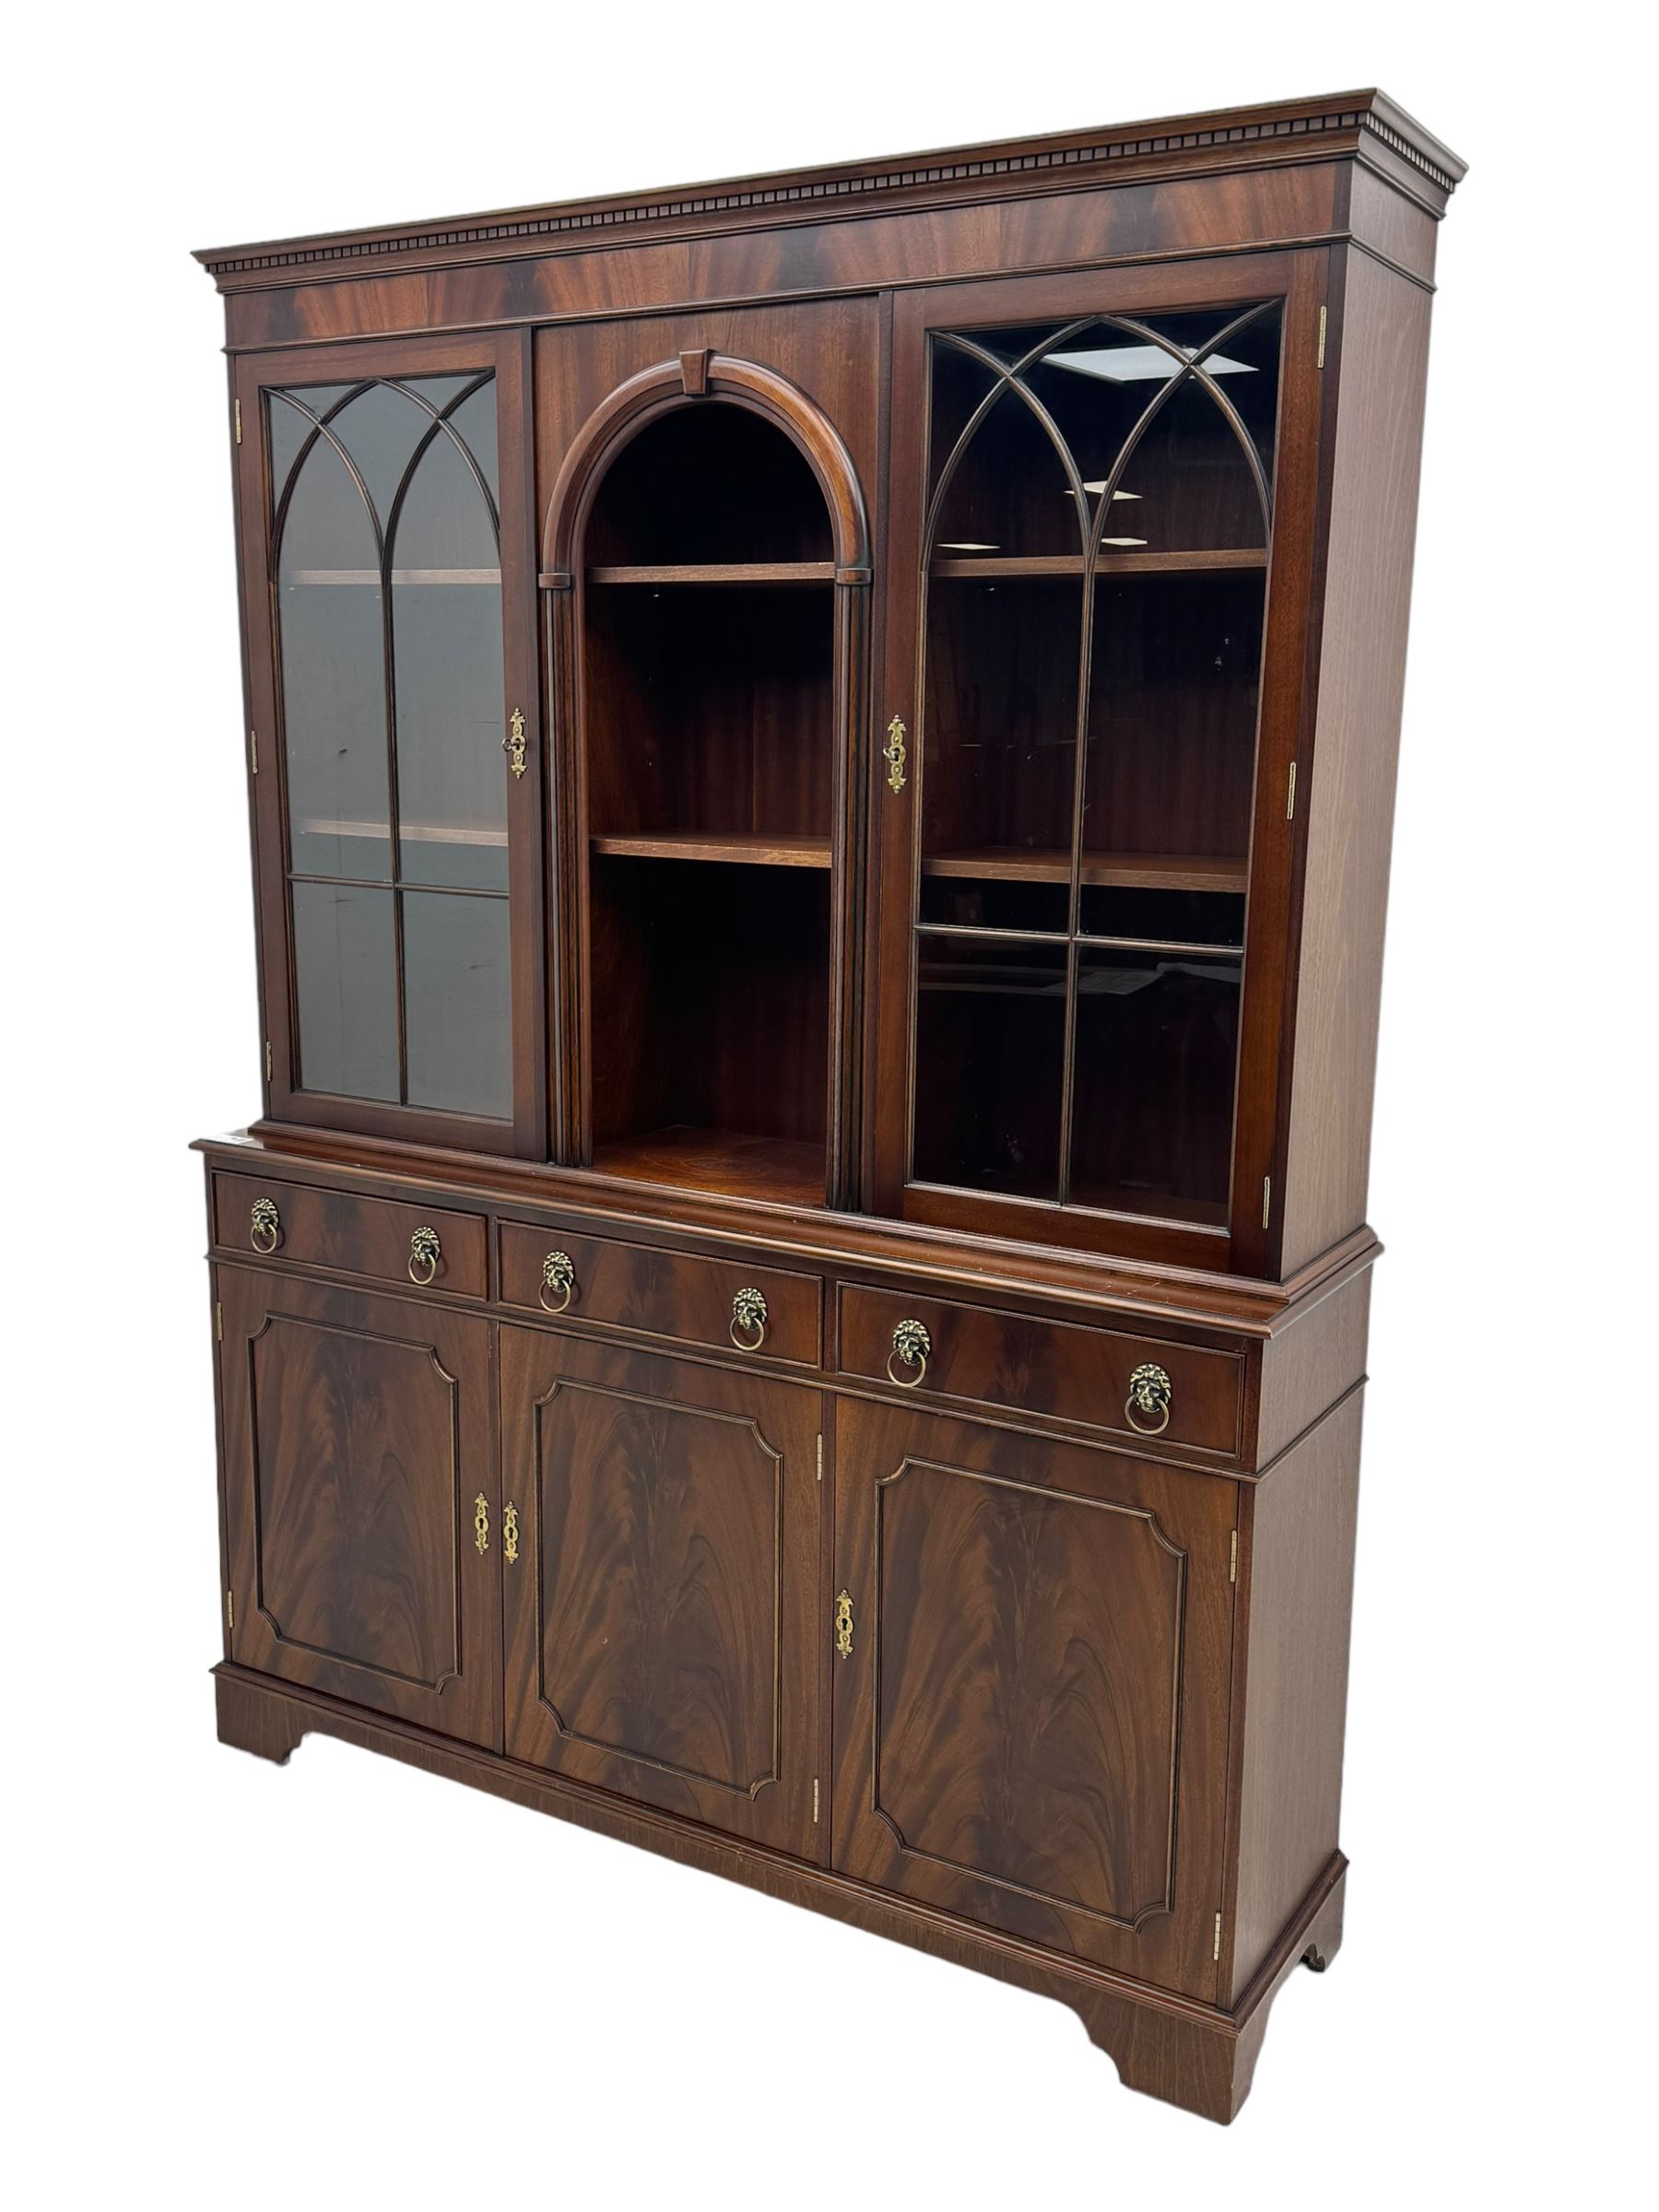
x=558, y=1285
x=912, y=1344
x=265, y=1226
x=425, y=1253
x=1147, y=1409
x=749, y=1320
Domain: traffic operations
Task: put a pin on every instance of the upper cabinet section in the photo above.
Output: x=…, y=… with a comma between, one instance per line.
x=392, y=747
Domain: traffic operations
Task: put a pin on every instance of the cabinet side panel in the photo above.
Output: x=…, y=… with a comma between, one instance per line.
x=1300, y=1593
x=1307, y=1367
x=1382, y=339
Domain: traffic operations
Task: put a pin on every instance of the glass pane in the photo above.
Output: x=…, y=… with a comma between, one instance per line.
x=446, y=617
x=345, y=974
x=457, y=1003
x=1000, y=742
x=1164, y=917
x=380, y=429
x=1009, y=497
x=292, y=424
x=333, y=697
x=990, y=1051
x=1152, y=1105
x=1173, y=725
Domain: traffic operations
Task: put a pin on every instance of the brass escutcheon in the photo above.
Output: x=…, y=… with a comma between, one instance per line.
x=481, y=1523
x=843, y=1626
x=510, y=1534
x=893, y=754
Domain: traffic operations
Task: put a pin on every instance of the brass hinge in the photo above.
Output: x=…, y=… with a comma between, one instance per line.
x=1216, y=1951
x=219, y=1320
x=820, y=1459
x=268, y=1075
x=1290, y=796
x=230, y=1609
x=1266, y=1198
x=814, y=1799
x=1232, y=1563
x=254, y=749
x=1319, y=363
x=237, y=412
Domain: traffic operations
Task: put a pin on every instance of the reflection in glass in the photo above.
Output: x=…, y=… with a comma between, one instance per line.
x=990, y=1043
x=457, y=1003
x=1157, y=1042
x=389, y=630
x=345, y=971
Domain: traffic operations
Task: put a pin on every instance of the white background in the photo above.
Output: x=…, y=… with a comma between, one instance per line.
x=342, y=1983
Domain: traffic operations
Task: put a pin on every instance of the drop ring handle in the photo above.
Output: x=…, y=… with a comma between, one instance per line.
x=1151, y=1393
x=425, y=1253
x=748, y=1315
x=558, y=1274
x=911, y=1344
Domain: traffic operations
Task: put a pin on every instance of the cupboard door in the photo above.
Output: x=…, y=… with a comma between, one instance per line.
x=386, y=529
x=360, y=1499
x=1103, y=495
x=1030, y=1688
x=660, y=1591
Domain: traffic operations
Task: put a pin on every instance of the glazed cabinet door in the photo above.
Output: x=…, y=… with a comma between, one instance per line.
x=1102, y=497
x=1033, y=1654
x=389, y=595
x=660, y=1583
x=360, y=1499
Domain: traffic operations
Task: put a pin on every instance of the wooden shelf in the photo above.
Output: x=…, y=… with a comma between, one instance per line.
x=368, y=576
x=1121, y=871
x=780, y=1169
x=719, y=572
x=411, y=833
x=746, y=850
x=1014, y=569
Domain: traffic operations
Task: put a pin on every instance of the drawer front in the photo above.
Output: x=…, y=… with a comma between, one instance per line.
x=725, y=1304
x=380, y=1236
x=1065, y=1368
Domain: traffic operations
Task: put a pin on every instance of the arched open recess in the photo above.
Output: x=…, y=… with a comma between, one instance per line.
x=709, y=696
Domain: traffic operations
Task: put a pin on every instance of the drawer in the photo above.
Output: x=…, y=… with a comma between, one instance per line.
x=1075, y=1373
x=380, y=1237
x=675, y=1294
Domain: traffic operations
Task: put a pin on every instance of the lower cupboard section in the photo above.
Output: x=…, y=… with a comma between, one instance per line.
x=1012, y=1655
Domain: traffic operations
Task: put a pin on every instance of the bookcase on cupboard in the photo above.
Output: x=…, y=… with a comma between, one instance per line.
x=820, y=758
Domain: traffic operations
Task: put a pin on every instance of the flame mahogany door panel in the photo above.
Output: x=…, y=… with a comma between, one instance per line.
x=661, y=1584
x=361, y=1497
x=1031, y=1724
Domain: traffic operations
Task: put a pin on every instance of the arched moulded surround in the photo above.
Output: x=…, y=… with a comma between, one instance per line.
x=698, y=379
x=691, y=377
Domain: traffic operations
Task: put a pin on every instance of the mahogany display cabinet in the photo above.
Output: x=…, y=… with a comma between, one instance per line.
x=820, y=755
